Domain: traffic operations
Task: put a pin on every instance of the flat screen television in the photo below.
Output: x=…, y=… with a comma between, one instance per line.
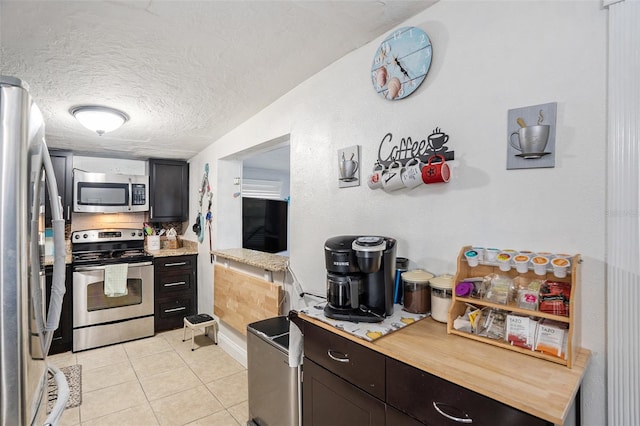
x=264, y=224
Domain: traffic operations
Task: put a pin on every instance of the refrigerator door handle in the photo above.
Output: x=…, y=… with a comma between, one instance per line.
x=63, y=395
x=58, y=280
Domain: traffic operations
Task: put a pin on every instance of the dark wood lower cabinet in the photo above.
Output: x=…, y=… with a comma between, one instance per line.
x=345, y=383
x=176, y=290
x=437, y=402
x=398, y=418
x=329, y=400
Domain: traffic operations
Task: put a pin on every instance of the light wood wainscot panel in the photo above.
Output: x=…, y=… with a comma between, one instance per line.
x=240, y=299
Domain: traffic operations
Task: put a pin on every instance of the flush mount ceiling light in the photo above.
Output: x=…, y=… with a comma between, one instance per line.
x=100, y=119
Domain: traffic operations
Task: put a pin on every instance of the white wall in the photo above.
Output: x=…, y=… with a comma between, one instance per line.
x=488, y=57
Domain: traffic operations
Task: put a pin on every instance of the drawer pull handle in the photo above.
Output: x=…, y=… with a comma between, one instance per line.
x=175, y=264
x=340, y=356
x=181, y=308
x=466, y=418
x=174, y=284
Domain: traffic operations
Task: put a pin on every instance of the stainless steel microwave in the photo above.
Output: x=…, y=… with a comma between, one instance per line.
x=109, y=193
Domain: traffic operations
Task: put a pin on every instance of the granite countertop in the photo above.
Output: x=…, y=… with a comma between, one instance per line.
x=535, y=386
x=259, y=259
x=188, y=248
x=48, y=260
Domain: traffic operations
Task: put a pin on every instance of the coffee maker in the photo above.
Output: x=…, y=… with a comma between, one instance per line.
x=360, y=277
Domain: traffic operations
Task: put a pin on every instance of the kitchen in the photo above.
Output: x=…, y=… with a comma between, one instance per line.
x=483, y=203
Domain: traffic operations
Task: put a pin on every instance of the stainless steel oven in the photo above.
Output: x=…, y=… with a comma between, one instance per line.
x=100, y=318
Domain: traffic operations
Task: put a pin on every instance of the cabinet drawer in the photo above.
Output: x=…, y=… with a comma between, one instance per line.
x=353, y=362
x=431, y=399
x=169, y=313
x=172, y=263
x=178, y=281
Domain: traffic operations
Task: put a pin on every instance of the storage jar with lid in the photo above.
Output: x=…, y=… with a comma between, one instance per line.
x=417, y=296
x=441, y=296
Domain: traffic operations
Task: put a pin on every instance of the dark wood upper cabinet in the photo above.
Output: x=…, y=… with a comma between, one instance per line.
x=62, y=162
x=169, y=190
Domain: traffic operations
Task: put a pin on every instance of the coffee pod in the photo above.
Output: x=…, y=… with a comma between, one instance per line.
x=491, y=254
x=560, y=266
x=504, y=261
x=540, y=264
x=522, y=263
x=480, y=251
x=472, y=257
x=564, y=256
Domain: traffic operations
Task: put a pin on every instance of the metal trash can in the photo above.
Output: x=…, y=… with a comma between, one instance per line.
x=273, y=385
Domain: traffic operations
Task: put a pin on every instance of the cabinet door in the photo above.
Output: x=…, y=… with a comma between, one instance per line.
x=351, y=361
x=169, y=190
x=398, y=418
x=436, y=402
x=63, y=336
x=328, y=400
x=62, y=168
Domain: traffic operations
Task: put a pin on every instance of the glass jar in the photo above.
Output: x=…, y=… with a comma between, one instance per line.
x=417, y=295
x=441, y=293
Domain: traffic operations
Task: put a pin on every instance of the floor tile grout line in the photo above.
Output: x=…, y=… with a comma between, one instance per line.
x=188, y=363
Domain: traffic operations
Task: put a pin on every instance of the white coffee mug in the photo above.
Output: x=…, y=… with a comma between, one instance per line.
x=375, y=178
x=412, y=173
x=392, y=177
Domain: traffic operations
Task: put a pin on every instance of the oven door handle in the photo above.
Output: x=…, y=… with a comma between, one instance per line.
x=101, y=267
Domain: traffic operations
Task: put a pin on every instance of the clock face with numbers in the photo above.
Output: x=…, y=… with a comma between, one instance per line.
x=401, y=63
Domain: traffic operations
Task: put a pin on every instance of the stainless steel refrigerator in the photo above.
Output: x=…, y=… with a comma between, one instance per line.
x=26, y=327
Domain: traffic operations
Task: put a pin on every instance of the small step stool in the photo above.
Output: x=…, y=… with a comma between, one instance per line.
x=204, y=321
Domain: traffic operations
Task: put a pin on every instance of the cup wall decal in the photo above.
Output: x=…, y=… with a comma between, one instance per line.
x=349, y=166
x=531, y=137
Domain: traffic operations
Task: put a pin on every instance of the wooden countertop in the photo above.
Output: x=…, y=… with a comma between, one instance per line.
x=259, y=259
x=535, y=386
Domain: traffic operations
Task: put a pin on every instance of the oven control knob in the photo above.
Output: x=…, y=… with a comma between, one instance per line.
x=133, y=234
x=77, y=236
x=139, y=233
x=85, y=236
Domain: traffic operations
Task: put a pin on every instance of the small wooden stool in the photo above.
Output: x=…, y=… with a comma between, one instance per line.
x=204, y=321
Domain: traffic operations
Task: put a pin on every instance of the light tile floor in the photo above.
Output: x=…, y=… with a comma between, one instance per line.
x=158, y=381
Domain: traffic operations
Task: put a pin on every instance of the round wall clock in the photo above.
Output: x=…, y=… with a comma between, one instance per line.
x=401, y=63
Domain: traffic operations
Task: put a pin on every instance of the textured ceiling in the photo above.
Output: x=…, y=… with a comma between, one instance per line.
x=186, y=72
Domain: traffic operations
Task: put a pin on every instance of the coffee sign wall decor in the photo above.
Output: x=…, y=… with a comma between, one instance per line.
x=403, y=149
x=406, y=164
x=531, y=136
